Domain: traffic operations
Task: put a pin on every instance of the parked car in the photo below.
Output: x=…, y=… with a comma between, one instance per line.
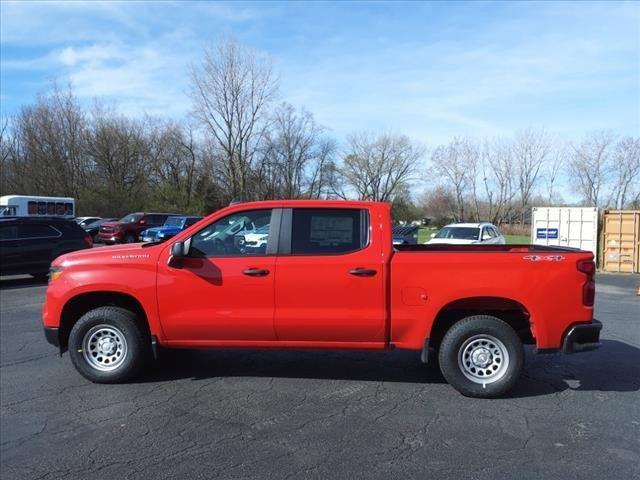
x=93, y=228
x=84, y=221
x=468, y=233
x=128, y=228
x=172, y=226
x=405, y=234
x=327, y=277
x=29, y=244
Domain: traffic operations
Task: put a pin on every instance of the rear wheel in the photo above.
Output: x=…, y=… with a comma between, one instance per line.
x=481, y=356
x=107, y=346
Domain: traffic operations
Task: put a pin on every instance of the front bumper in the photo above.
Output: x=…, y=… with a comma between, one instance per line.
x=51, y=334
x=582, y=337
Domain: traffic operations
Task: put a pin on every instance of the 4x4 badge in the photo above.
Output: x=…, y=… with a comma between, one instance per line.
x=544, y=258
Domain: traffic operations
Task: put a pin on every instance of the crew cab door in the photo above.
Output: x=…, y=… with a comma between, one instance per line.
x=223, y=290
x=330, y=282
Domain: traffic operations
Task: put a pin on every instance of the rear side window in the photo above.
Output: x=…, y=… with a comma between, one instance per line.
x=37, y=231
x=328, y=231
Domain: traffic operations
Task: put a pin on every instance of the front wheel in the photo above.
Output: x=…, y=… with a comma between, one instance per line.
x=481, y=356
x=107, y=346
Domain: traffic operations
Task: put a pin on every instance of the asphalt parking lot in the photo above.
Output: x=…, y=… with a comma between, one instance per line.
x=261, y=414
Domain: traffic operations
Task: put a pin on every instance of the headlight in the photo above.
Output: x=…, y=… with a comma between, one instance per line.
x=54, y=273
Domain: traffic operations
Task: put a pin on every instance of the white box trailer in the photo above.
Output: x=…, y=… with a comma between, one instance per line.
x=575, y=227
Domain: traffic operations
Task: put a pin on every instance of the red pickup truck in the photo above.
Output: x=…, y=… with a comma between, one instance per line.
x=320, y=275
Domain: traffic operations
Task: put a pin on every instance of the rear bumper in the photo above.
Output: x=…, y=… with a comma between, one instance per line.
x=582, y=337
x=51, y=334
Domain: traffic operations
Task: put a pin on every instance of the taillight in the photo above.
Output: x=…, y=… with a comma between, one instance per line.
x=88, y=240
x=588, y=267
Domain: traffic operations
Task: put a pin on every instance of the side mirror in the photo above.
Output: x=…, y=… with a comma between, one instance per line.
x=178, y=250
x=433, y=234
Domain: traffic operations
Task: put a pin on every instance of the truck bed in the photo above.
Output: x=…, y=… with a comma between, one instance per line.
x=440, y=247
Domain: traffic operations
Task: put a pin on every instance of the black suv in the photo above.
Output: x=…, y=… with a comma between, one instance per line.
x=29, y=244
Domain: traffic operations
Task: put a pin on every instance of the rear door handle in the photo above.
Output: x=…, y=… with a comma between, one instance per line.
x=363, y=272
x=256, y=272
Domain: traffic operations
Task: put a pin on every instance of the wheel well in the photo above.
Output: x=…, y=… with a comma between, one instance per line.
x=505, y=309
x=83, y=303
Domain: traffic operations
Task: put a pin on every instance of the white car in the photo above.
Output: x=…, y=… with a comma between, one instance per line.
x=468, y=233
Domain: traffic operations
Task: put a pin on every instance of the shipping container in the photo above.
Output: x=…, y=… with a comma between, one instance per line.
x=575, y=227
x=621, y=241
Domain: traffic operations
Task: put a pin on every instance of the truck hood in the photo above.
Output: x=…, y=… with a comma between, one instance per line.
x=111, y=254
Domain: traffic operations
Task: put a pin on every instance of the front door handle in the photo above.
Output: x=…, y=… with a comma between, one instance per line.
x=256, y=272
x=363, y=272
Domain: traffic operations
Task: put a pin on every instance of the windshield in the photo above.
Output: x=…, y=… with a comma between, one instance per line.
x=174, y=222
x=459, y=233
x=131, y=218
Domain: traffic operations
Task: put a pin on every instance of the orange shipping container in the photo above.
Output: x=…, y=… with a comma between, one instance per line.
x=621, y=241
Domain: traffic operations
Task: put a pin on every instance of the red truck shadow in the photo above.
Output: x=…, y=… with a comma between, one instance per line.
x=612, y=368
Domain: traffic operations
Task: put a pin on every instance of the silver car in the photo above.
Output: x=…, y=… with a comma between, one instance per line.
x=468, y=233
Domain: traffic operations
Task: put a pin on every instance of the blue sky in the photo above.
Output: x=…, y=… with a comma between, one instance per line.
x=430, y=70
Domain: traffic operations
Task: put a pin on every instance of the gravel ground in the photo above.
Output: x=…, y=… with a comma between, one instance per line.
x=267, y=414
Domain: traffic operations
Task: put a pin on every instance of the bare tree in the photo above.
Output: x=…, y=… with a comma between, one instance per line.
x=455, y=165
x=50, y=134
x=626, y=164
x=294, y=155
x=590, y=165
x=553, y=171
x=378, y=167
x=531, y=149
x=231, y=90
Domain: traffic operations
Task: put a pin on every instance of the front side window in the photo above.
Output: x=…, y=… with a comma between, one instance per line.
x=238, y=234
x=327, y=231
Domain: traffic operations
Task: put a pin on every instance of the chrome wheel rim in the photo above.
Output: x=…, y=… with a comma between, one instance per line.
x=104, y=347
x=483, y=359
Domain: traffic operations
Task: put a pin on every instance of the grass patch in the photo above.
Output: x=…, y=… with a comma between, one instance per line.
x=424, y=234
x=517, y=239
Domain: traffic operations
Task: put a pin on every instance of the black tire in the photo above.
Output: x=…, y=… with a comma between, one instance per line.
x=135, y=353
x=481, y=356
x=129, y=238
